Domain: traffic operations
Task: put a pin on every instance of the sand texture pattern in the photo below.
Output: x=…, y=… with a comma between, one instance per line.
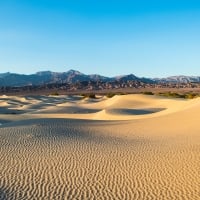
x=125, y=147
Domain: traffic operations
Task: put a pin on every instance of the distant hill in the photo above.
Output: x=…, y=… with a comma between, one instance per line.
x=179, y=79
x=73, y=76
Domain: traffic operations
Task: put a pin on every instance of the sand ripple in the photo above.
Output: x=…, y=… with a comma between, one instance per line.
x=81, y=159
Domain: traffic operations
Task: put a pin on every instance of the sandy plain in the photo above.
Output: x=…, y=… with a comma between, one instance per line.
x=124, y=147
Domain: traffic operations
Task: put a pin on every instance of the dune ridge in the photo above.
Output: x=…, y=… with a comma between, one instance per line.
x=125, y=147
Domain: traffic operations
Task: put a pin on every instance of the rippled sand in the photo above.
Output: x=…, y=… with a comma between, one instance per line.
x=126, y=147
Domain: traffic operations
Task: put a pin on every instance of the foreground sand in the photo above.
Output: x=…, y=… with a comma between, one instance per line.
x=126, y=147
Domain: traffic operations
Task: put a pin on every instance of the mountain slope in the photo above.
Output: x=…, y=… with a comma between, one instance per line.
x=179, y=79
x=71, y=76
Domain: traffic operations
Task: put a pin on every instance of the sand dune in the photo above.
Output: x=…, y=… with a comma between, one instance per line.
x=125, y=147
x=124, y=107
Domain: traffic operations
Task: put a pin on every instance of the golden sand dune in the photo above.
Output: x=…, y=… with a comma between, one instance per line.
x=140, y=147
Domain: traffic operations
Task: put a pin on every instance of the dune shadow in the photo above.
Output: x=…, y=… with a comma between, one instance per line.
x=76, y=110
x=2, y=121
x=135, y=111
x=11, y=111
x=54, y=99
x=3, y=195
x=69, y=110
x=51, y=129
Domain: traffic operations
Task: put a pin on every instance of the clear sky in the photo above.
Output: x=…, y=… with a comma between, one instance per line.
x=151, y=38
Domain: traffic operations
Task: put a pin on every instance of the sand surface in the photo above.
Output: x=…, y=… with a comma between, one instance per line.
x=125, y=147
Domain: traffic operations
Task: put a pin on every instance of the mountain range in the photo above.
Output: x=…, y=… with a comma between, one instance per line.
x=73, y=76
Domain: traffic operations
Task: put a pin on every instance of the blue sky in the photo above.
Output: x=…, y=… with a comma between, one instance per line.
x=147, y=38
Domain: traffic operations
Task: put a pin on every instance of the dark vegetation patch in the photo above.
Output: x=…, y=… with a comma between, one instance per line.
x=90, y=95
x=54, y=94
x=178, y=95
x=148, y=93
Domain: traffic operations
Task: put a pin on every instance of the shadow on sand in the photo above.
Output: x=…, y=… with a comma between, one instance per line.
x=135, y=111
x=2, y=195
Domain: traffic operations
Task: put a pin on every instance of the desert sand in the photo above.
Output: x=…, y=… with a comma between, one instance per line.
x=124, y=147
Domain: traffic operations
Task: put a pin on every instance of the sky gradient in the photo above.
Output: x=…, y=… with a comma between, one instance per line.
x=147, y=38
